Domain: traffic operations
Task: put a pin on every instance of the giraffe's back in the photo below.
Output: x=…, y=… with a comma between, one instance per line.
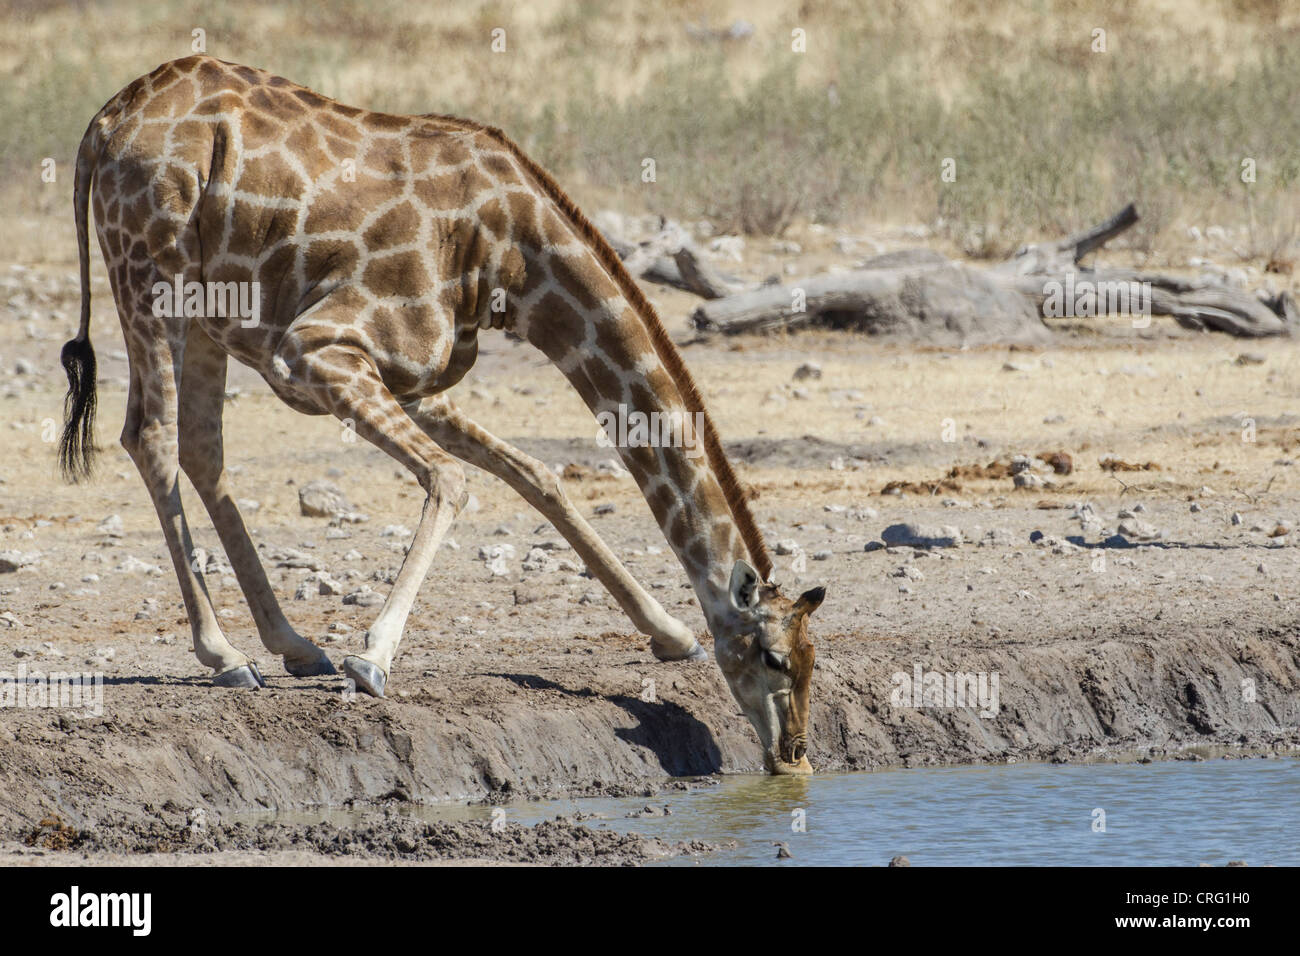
x=394, y=225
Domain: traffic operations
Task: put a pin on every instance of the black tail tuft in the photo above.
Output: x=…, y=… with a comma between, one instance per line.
x=77, y=447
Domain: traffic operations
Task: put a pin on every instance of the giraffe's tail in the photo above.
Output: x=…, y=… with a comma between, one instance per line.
x=77, y=446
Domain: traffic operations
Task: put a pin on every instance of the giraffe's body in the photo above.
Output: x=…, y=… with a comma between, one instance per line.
x=381, y=246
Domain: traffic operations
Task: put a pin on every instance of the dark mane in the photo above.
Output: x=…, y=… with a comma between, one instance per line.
x=663, y=345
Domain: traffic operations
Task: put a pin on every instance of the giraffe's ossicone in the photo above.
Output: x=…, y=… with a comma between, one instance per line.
x=352, y=258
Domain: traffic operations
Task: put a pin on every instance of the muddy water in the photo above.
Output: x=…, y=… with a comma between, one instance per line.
x=1165, y=813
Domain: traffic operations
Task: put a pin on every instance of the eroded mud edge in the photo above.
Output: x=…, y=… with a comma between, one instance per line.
x=129, y=781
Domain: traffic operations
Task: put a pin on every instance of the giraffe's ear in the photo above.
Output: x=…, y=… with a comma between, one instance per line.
x=810, y=601
x=744, y=586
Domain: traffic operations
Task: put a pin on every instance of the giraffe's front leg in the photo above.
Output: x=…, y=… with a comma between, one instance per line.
x=342, y=379
x=369, y=670
x=670, y=639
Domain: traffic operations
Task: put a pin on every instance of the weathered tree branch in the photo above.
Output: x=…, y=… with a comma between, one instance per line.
x=670, y=258
x=920, y=293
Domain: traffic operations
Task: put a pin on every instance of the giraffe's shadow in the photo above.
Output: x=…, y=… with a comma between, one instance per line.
x=683, y=745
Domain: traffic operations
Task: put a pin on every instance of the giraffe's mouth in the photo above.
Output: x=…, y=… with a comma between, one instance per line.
x=783, y=768
x=790, y=757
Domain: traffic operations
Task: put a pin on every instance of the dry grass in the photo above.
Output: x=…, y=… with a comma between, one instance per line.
x=745, y=132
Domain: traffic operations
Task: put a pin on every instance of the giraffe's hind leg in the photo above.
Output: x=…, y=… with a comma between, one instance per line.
x=156, y=348
x=202, y=456
x=670, y=639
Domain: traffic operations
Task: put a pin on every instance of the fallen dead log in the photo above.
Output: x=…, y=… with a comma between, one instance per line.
x=920, y=294
x=928, y=301
x=1197, y=304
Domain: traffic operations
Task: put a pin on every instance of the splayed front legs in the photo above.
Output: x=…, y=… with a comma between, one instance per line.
x=670, y=639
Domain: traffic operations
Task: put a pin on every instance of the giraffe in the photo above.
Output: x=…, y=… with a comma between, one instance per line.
x=378, y=247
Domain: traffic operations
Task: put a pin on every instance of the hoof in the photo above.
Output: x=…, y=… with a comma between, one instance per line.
x=316, y=667
x=366, y=675
x=245, y=676
x=696, y=653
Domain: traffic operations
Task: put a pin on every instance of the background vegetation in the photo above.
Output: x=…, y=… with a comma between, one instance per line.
x=1046, y=134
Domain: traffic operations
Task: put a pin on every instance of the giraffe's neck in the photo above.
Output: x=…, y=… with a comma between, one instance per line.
x=641, y=410
x=683, y=492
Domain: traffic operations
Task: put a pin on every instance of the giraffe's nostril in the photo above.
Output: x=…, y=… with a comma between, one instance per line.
x=799, y=750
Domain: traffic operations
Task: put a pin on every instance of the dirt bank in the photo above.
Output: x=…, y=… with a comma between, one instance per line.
x=565, y=726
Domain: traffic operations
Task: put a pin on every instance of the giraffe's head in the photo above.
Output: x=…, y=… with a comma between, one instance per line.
x=767, y=659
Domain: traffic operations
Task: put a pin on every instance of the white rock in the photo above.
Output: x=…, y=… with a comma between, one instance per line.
x=112, y=526
x=364, y=597
x=495, y=558
x=322, y=499
x=133, y=565
x=1135, y=529
x=292, y=558
x=11, y=561
x=538, y=559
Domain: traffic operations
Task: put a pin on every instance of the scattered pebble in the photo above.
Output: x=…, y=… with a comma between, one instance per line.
x=111, y=526
x=322, y=499
x=1135, y=529
x=921, y=536
x=807, y=370
x=11, y=561
x=364, y=597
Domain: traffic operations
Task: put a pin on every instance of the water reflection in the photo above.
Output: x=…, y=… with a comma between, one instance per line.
x=1170, y=813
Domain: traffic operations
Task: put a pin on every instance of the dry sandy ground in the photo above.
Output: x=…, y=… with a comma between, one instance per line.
x=530, y=683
